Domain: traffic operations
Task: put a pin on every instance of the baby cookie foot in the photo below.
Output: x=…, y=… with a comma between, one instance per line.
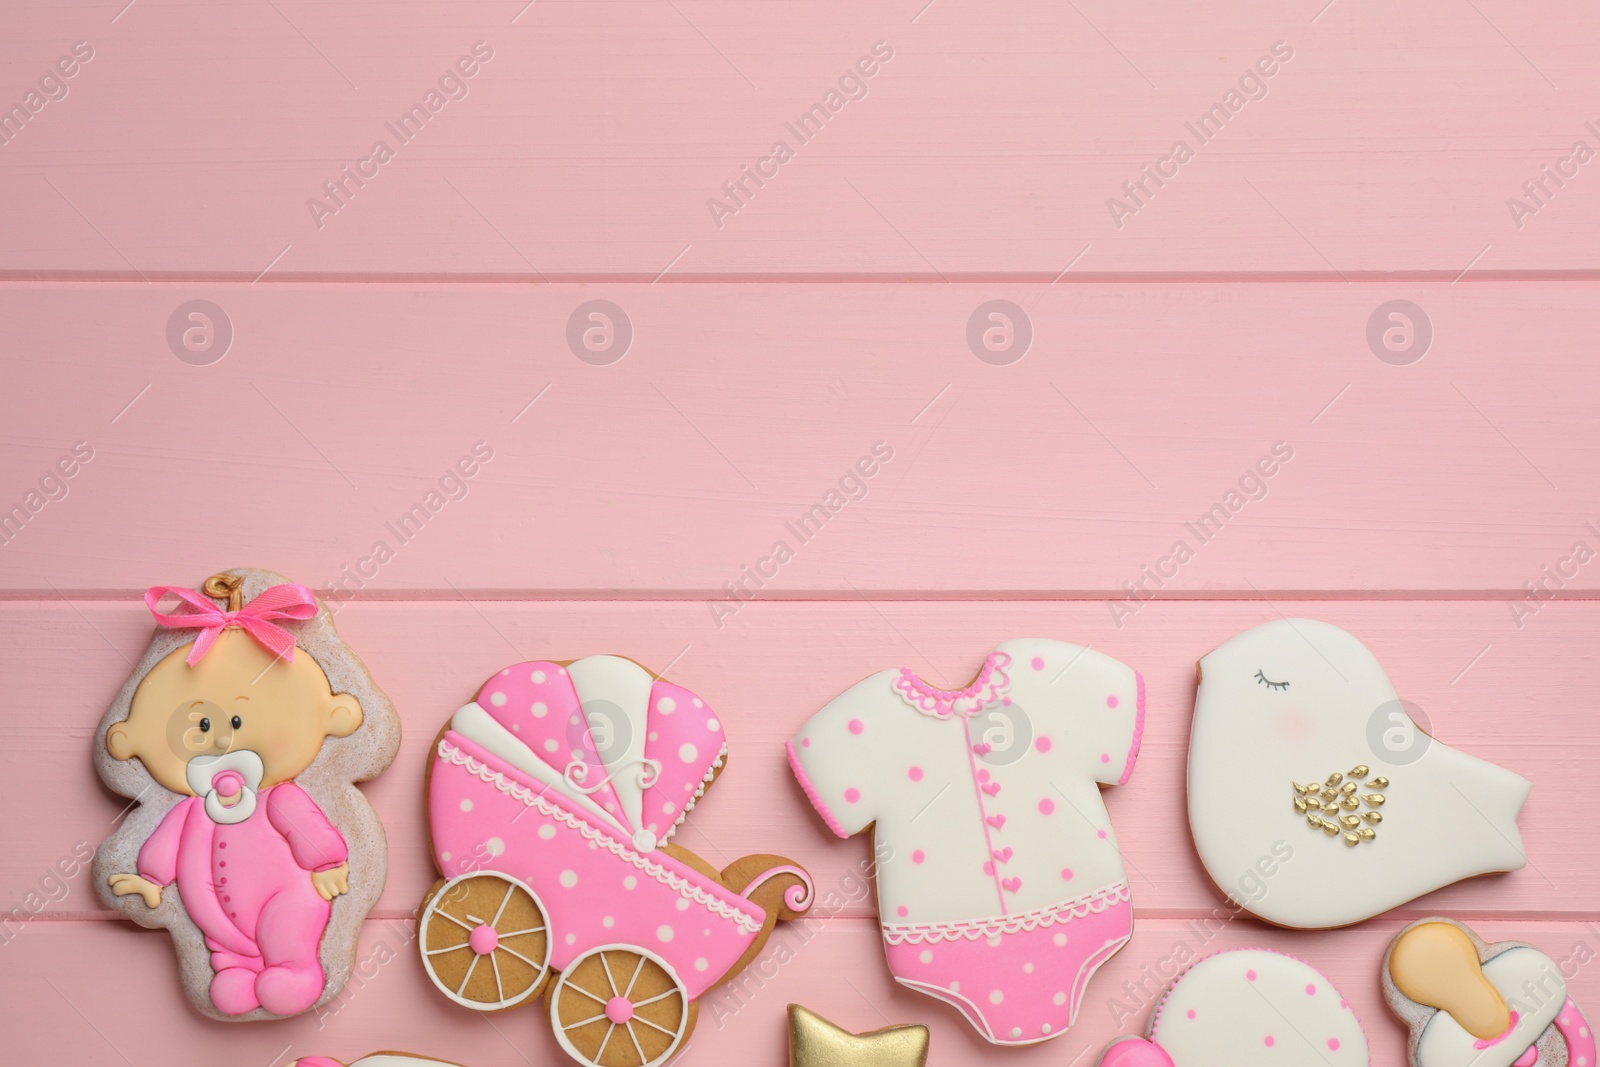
x=289, y=988
x=1470, y=1002
x=233, y=991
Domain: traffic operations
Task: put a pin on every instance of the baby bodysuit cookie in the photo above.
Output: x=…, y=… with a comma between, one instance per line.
x=552, y=799
x=1247, y=1007
x=377, y=1059
x=1301, y=754
x=1000, y=886
x=239, y=738
x=1472, y=1004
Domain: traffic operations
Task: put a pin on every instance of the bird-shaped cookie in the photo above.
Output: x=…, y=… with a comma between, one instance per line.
x=1316, y=800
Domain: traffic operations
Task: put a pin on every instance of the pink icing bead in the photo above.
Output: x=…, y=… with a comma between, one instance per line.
x=1269, y=1041
x=1311, y=990
x=902, y=911
x=915, y=774
x=1191, y=1013
x=1042, y=744
x=918, y=856
x=1333, y=1043
x=856, y=726
x=1046, y=806
x=852, y=795
x=619, y=1010
x=1111, y=701
x=1066, y=874
x=1250, y=975
x=1038, y=663
x=484, y=940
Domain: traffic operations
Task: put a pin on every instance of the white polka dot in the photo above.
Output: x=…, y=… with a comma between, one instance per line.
x=445, y=856
x=683, y=905
x=608, y=922
x=494, y=846
x=955, y=987
x=713, y=725
x=688, y=753
x=993, y=940
x=1059, y=999
x=550, y=745
x=925, y=956
x=577, y=754
x=995, y=996
x=546, y=832
x=1027, y=968
x=572, y=939
x=688, y=787
x=538, y=677
x=569, y=878
x=516, y=727
x=506, y=671
x=653, y=736
x=664, y=933
x=1016, y=1031
x=498, y=699
x=666, y=705
x=701, y=964
x=629, y=882
x=1045, y=1028
x=668, y=809
x=699, y=703
x=538, y=711
x=466, y=805
x=1060, y=940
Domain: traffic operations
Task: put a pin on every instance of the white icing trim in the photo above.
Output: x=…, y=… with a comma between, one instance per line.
x=699, y=791
x=625, y=852
x=992, y=683
x=973, y=929
x=478, y=726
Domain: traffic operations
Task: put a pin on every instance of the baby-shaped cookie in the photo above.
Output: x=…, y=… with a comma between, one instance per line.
x=239, y=738
x=1247, y=1007
x=1470, y=1003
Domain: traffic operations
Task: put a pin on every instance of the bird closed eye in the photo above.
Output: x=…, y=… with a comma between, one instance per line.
x=1269, y=683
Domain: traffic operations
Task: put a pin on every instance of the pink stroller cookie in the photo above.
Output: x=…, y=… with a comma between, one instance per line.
x=551, y=800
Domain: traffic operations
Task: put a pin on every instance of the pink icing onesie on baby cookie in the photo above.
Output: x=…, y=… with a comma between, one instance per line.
x=1003, y=890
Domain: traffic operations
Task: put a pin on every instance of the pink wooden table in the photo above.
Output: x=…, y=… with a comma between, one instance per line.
x=372, y=315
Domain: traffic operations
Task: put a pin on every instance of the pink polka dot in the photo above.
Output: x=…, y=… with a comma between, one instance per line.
x=1333, y=1043
x=1105, y=757
x=805, y=742
x=918, y=856
x=1046, y=806
x=1269, y=1041
x=915, y=774
x=1102, y=835
x=1191, y=1013
x=1042, y=744
x=1038, y=663
x=1250, y=975
x=856, y=726
x=1311, y=990
x=852, y=795
x=1111, y=701
x=902, y=911
x=1066, y=874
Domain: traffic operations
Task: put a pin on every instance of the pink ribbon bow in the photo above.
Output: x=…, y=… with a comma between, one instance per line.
x=1135, y=1052
x=255, y=618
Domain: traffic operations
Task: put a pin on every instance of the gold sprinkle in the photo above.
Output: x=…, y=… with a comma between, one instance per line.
x=1330, y=809
x=1335, y=778
x=1348, y=788
x=1379, y=783
x=1315, y=821
x=1351, y=840
x=1374, y=817
x=1330, y=828
x=1349, y=803
x=1366, y=833
x=1350, y=821
x=1300, y=805
x=1375, y=799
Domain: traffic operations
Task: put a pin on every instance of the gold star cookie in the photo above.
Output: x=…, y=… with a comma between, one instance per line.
x=815, y=1042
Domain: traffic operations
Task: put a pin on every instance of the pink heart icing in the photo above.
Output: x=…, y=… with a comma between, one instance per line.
x=1011, y=885
x=997, y=821
x=1003, y=854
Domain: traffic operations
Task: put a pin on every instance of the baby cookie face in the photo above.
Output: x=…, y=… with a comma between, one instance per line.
x=238, y=698
x=1472, y=1004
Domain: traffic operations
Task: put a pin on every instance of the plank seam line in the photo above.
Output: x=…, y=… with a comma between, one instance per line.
x=549, y=279
x=914, y=596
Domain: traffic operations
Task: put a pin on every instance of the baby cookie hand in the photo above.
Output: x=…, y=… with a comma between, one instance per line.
x=331, y=882
x=124, y=884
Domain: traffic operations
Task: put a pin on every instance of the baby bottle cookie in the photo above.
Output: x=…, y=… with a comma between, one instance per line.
x=1000, y=886
x=1248, y=1008
x=1472, y=1004
x=239, y=738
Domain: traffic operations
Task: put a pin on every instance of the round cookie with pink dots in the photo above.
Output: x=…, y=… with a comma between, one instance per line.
x=1249, y=1008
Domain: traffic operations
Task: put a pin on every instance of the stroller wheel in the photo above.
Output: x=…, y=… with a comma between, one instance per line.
x=484, y=941
x=619, y=1006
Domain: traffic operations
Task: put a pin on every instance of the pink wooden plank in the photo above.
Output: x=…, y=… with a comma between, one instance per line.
x=113, y=991
x=1519, y=698
x=739, y=409
x=992, y=141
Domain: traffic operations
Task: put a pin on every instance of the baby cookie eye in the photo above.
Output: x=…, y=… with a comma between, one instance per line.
x=1269, y=683
x=205, y=726
x=237, y=722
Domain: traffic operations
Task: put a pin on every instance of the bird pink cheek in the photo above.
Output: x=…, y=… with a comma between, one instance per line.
x=1294, y=725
